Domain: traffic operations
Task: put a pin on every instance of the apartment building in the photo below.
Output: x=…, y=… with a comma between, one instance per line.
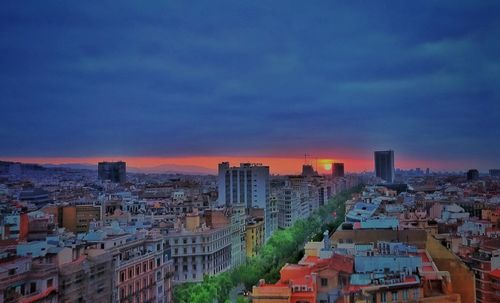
x=199, y=250
x=142, y=268
x=23, y=279
x=86, y=277
x=254, y=236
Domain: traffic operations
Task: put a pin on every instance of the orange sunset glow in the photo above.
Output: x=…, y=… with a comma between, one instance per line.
x=278, y=165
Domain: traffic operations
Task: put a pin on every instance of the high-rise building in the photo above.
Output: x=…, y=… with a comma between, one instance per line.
x=338, y=170
x=248, y=185
x=495, y=172
x=113, y=171
x=384, y=165
x=472, y=174
x=308, y=171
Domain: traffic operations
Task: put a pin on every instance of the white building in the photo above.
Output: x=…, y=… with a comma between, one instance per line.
x=247, y=184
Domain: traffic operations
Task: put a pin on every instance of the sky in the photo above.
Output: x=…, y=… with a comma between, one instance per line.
x=157, y=82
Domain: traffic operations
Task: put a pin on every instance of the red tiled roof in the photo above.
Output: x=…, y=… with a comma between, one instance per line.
x=336, y=262
x=294, y=272
x=311, y=259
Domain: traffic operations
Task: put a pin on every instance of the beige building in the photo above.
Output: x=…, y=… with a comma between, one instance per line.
x=198, y=250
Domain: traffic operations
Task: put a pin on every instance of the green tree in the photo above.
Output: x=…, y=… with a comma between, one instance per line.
x=284, y=246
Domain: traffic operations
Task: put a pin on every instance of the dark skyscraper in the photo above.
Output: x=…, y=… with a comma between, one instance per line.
x=338, y=170
x=308, y=171
x=495, y=172
x=472, y=174
x=114, y=171
x=384, y=165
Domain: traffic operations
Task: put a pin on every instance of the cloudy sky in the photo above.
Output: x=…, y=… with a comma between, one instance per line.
x=174, y=79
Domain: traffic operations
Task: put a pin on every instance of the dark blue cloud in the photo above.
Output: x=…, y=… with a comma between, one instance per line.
x=177, y=78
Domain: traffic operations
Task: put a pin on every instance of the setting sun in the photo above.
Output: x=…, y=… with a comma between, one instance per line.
x=328, y=166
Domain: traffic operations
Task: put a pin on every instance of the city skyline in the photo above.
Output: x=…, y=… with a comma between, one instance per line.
x=278, y=165
x=173, y=82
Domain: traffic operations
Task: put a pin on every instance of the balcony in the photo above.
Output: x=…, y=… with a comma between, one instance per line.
x=495, y=286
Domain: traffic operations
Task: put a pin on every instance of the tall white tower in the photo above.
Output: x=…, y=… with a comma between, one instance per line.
x=246, y=185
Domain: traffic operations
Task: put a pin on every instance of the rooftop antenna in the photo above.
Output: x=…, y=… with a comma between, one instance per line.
x=305, y=157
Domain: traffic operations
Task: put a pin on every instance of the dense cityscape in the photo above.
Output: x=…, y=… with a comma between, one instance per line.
x=229, y=151
x=105, y=235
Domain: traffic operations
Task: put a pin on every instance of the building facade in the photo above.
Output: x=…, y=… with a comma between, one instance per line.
x=198, y=250
x=87, y=278
x=338, y=170
x=247, y=185
x=254, y=237
x=23, y=279
x=384, y=165
x=115, y=172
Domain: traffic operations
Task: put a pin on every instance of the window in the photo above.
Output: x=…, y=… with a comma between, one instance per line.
x=394, y=296
x=383, y=297
x=405, y=294
x=416, y=293
x=324, y=282
x=49, y=282
x=32, y=287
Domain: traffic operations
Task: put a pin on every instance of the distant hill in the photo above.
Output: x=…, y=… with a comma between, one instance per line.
x=158, y=169
x=71, y=166
x=8, y=166
x=173, y=169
